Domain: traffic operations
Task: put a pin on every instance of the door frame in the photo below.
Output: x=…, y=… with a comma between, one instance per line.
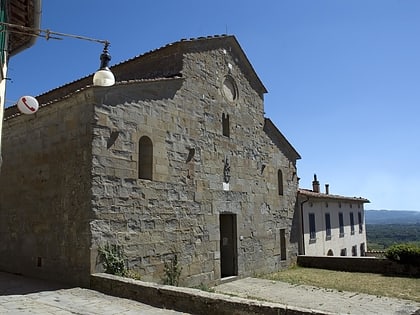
x=228, y=245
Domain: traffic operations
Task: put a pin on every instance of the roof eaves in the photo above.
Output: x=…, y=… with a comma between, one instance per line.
x=268, y=123
x=85, y=81
x=310, y=193
x=34, y=21
x=12, y=111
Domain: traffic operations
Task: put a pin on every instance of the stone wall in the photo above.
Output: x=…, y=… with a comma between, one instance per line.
x=45, y=192
x=359, y=264
x=192, y=301
x=178, y=211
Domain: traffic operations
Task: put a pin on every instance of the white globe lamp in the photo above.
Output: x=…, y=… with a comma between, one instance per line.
x=104, y=76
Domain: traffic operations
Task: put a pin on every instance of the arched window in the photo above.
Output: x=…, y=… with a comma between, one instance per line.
x=225, y=125
x=145, y=158
x=280, y=182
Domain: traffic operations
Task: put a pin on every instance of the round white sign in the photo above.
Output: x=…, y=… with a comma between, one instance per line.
x=27, y=105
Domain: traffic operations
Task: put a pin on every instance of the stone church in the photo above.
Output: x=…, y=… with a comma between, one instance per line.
x=176, y=158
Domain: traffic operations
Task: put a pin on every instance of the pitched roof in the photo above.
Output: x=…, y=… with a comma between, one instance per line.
x=280, y=140
x=13, y=111
x=23, y=13
x=322, y=196
x=166, y=62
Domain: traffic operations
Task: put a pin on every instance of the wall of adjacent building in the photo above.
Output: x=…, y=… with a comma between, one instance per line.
x=3, y=70
x=45, y=192
x=321, y=245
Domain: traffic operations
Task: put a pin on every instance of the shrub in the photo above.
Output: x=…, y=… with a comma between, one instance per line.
x=133, y=274
x=172, y=271
x=404, y=253
x=113, y=259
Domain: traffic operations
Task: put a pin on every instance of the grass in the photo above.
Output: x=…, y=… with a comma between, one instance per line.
x=369, y=283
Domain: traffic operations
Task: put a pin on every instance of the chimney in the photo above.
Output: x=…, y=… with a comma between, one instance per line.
x=327, y=189
x=315, y=185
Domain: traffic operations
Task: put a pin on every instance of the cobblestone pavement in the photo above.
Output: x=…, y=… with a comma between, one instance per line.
x=21, y=295
x=327, y=300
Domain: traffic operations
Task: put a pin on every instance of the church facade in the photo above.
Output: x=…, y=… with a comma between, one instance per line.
x=175, y=159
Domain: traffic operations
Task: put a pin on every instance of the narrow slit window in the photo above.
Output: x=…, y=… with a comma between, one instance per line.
x=283, y=244
x=225, y=125
x=280, y=182
x=145, y=158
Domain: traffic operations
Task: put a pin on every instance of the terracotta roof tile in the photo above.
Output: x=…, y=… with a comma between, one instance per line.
x=311, y=193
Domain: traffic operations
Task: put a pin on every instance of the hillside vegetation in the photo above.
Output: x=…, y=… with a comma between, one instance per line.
x=382, y=236
x=392, y=217
x=385, y=228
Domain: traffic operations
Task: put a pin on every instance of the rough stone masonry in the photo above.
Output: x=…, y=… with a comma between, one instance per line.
x=143, y=164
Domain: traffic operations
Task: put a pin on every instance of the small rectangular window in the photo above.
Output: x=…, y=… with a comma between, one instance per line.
x=341, y=223
x=225, y=125
x=354, y=250
x=312, y=230
x=343, y=252
x=283, y=244
x=351, y=223
x=328, y=226
x=359, y=215
x=362, y=249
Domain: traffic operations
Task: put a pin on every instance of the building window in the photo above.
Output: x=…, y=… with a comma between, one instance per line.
x=352, y=223
x=362, y=249
x=341, y=223
x=230, y=90
x=225, y=125
x=328, y=226
x=359, y=215
x=283, y=244
x=354, y=250
x=145, y=158
x=343, y=252
x=312, y=230
x=280, y=182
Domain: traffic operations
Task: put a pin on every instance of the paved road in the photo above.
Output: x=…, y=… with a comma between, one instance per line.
x=333, y=301
x=21, y=295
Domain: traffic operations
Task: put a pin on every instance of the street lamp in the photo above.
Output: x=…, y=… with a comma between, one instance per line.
x=102, y=77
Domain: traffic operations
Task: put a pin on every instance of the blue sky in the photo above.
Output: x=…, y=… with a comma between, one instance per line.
x=343, y=76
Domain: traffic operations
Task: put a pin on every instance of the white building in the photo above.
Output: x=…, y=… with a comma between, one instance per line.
x=332, y=225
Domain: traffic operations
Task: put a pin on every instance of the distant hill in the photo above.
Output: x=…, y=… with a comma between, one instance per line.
x=392, y=217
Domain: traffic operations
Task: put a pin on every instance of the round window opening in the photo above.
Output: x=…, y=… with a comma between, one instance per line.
x=230, y=90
